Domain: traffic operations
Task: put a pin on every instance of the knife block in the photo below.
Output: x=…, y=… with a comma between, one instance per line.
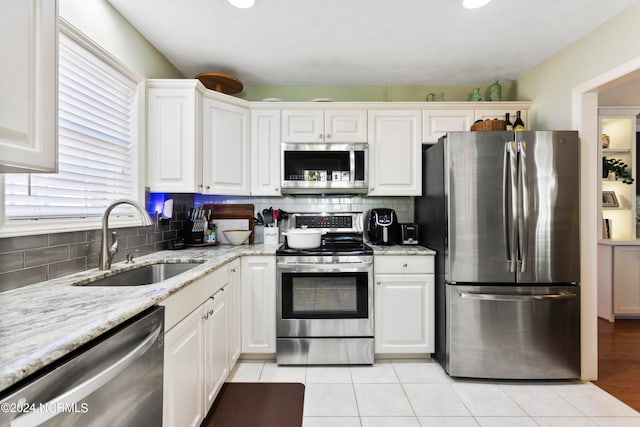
x=194, y=231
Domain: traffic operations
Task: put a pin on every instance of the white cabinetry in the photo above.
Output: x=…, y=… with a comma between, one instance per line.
x=234, y=300
x=619, y=124
x=395, y=165
x=626, y=280
x=184, y=373
x=197, y=142
x=265, y=153
x=225, y=148
x=324, y=126
x=258, y=304
x=28, y=86
x=216, y=344
x=404, y=304
x=439, y=120
x=436, y=123
x=174, y=136
x=196, y=351
x=618, y=279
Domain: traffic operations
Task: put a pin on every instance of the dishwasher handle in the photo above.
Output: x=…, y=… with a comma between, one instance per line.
x=516, y=298
x=81, y=391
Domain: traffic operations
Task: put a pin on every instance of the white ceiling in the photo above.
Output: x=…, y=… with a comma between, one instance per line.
x=364, y=42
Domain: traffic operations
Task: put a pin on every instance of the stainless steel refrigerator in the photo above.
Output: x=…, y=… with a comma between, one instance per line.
x=501, y=210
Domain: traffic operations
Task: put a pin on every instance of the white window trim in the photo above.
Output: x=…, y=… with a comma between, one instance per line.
x=26, y=228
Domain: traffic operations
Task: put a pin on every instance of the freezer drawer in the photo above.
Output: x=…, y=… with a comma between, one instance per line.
x=513, y=332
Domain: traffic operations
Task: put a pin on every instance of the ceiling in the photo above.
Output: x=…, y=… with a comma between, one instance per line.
x=364, y=42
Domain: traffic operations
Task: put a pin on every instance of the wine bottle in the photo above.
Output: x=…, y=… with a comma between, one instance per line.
x=507, y=122
x=518, y=124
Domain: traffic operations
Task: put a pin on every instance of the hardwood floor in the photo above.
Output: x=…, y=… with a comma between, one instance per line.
x=619, y=360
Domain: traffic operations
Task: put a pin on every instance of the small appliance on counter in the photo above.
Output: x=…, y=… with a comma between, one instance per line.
x=409, y=234
x=383, y=227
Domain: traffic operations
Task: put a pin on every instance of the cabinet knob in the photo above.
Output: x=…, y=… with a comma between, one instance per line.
x=320, y=136
x=372, y=188
x=206, y=316
x=233, y=270
x=405, y=265
x=277, y=189
x=200, y=185
x=328, y=135
x=208, y=187
x=378, y=283
x=210, y=312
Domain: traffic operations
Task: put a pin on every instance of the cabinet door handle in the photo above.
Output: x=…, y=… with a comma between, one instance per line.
x=233, y=270
x=405, y=265
x=206, y=316
x=320, y=136
x=328, y=135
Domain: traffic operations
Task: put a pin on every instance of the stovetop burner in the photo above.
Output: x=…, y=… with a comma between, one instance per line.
x=344, y=234
x=331, y=249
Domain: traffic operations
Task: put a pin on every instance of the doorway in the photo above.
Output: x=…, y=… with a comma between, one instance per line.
x=585, y=103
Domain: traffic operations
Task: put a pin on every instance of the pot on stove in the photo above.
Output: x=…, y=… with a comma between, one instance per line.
x=304, y=238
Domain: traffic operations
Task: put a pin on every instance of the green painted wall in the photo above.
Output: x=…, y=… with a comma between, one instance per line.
x=371, y=93
x=549, y=85
x=99, y=21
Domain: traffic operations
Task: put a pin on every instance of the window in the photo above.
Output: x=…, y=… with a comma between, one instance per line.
x=98, y=145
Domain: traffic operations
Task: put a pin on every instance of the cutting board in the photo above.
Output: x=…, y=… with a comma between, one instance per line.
x=233, y=211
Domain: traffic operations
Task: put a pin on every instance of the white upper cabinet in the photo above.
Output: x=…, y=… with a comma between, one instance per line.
x=265, y=153
x=437, y=123
x=28, y=86
x=174, y=136
x=395, y=164
x=324, y=126
x=225, y=148
x=196, y=143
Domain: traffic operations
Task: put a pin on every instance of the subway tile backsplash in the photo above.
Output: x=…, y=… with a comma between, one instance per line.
x=25, y=260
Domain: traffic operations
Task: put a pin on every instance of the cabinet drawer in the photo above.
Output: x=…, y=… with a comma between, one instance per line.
x=403, y=264
x=187, y=299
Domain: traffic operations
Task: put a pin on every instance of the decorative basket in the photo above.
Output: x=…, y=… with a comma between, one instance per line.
x=495, y=124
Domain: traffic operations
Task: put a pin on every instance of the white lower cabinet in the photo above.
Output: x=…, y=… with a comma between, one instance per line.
x=184, y=373
x=626, y=280
x=234, y=301
x=404, y=304
x=216, y=344
x=258, y=304
x=196, y=350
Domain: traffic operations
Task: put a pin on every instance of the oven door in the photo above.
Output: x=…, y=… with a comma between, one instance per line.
x=324, y=300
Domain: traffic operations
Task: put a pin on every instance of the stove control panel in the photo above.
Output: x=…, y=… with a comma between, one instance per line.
x=324, y=221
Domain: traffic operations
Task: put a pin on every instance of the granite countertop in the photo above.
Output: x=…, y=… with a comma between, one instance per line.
x=401, y=250
x=45, y=321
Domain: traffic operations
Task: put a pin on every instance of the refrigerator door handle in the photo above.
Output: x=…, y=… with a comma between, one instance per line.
x=512, y=212
x=505, y=204
x=523, y=203
x=516, y=298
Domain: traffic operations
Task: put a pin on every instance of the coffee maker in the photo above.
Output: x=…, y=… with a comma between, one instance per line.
x=383, y=227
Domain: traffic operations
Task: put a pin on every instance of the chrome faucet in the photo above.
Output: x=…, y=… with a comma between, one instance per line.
x=107, y=252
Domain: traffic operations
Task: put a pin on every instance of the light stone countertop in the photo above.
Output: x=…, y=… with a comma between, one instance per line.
x=43, y=322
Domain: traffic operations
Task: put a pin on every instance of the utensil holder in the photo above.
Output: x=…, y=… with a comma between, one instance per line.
x=271, y=236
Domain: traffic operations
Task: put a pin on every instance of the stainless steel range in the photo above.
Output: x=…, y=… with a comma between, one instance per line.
x=325, y=294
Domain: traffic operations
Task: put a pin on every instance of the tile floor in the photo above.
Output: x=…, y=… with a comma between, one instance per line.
x=408, y=394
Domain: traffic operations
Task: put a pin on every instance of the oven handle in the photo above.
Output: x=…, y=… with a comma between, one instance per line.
x=311, y=267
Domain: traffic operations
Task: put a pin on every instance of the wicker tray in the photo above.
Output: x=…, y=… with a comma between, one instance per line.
x=495, y=124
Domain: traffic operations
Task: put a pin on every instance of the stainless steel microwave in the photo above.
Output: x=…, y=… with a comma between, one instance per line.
x=324, y=168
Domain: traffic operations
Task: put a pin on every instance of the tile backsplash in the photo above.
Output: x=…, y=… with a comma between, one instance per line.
x=29, y=259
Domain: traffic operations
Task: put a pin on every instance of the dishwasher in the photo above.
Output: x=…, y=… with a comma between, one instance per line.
x=116, y=380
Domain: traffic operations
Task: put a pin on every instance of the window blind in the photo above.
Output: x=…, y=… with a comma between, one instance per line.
x=97, y=144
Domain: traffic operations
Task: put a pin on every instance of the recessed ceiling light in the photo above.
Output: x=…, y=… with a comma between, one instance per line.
x=474, y=4
x=242, y=4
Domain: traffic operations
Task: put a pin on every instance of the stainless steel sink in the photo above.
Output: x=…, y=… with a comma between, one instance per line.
x=144, y=275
